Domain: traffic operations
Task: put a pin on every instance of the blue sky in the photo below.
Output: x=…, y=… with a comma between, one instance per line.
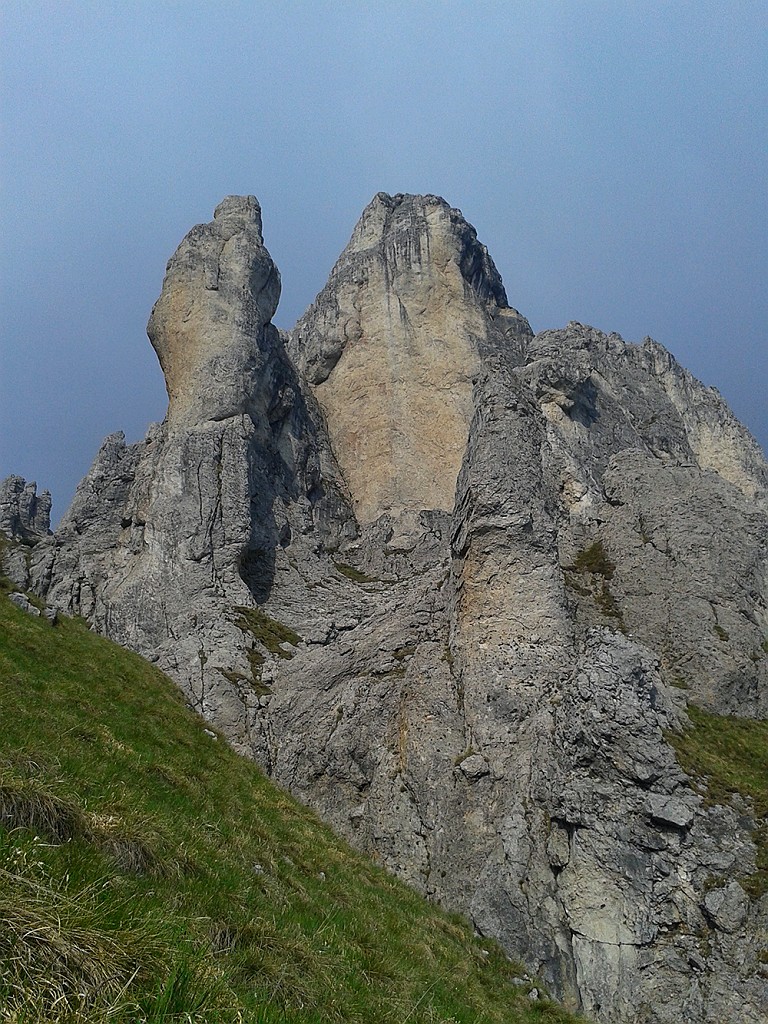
x=613, y=157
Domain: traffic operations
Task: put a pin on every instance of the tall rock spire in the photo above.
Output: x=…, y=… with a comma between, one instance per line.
x=221, y=289
x=392, y=344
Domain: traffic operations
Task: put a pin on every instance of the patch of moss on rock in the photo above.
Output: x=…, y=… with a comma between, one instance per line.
x=594, y=560
x=267, y=631
x=595, y=567
x=353, y=574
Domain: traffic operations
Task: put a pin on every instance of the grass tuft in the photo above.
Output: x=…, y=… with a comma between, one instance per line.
x=58, y=954
x=24, y=803
x=730, y=756
x=594, y=560
x=594, y=564
x=353, y=574
x=267, y=631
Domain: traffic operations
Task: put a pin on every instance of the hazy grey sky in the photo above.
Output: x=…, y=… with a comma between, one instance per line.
x=612, y=155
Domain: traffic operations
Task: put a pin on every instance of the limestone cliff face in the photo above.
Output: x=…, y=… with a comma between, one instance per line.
x=25, y=519
x=392, y=344
x=445, y=581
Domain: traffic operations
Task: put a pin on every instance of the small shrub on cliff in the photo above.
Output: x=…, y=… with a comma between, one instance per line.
x=594, y=560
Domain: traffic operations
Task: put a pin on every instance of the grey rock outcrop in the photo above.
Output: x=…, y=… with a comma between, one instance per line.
x=169, y=541
x=25, y=515
x=24, y=604
x=220, y=291
x=25, y=519
x=445, y=581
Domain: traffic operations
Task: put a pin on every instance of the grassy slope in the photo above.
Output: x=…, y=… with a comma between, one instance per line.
x=730, y=755
x=164, y=878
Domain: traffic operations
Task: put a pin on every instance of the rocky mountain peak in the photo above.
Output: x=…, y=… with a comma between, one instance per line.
x=245, y=209
x=220, y=292
x=454, y=585
x=415, y=229
x=391, y=347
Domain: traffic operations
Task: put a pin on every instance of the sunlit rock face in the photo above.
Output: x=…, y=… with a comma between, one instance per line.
x=392, y=345
x=220, y=292
x=453, y=585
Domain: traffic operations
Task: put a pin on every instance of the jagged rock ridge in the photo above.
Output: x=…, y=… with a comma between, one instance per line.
x=439, y=577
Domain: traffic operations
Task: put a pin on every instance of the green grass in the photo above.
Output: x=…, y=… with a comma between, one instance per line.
x=354, y=574
x=729, y=756
x=148, y=874
x=594, y=560
x=269, y=632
